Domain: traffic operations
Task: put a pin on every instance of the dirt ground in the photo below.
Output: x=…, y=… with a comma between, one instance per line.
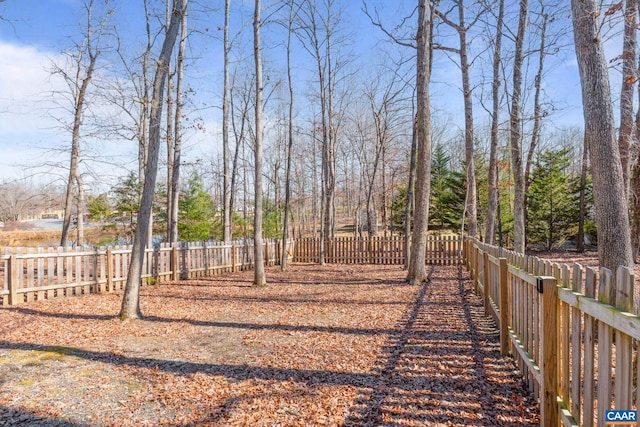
x=333, y=345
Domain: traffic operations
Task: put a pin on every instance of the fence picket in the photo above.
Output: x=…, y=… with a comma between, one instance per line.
x=624, y=344
x=589, y=351
x=576, y=347
x=605, y=342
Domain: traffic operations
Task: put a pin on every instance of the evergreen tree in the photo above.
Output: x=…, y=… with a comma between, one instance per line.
x=196, y=212
x=99, y=207
x=272, y=220
x=447, y=195
x=398, y=206
x=482, y=193
x=551, y=202
x=126, y=202
x=447, y=191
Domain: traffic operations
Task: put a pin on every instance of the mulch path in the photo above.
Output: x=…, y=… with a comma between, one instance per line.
x=333, y=345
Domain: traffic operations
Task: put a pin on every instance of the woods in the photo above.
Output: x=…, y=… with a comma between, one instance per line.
x=231, y=137
x=445, y=117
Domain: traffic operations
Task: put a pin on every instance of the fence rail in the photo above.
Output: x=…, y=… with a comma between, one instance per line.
x=575, y=349
x=446, y=250
x=36, y=274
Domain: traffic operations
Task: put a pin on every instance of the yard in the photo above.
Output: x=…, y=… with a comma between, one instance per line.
x=321, y=345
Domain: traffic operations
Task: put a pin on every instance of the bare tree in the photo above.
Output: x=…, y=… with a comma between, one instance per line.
x=417, y=271
x=383, y=99
x=173, y=186
x=287, y=183
x=78, y=79
x=22, y=199
x=259, y=278
x=492, y=198
x=538, y=113
x=226, y=214
x=516, y=132
x=612, y=219
x=131, y=300
x=406, y=41
x=319, y=37
x=462, y=28
x=170, y=135
x=240, y=126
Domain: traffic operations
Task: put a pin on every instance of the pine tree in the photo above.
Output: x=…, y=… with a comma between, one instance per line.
x=195, y=210
x=447, y=192
x=551, y=205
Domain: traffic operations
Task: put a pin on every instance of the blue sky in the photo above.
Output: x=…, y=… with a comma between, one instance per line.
x=35, y=32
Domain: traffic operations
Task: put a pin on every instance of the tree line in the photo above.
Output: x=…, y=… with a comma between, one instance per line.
x=308, y=136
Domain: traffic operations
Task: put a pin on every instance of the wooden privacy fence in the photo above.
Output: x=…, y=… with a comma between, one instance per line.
x=445, y=250
x=28, y=275
x=575, y=350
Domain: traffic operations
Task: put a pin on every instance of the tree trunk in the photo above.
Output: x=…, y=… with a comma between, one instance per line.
x=177, y=145
x=68, y=204
x=516, y=133
x=635, y=200
x=537, y=118
x=625, y=134
x=74, y=173
x=287, y=189
x=583, y=205
x=537, y=108
x=131, y=300
x=170, y=134
x=492, y=202
x=80, y=211
x=612, y=218
x=409, y=209
x=226, y=212
x=417, y=271
x=471, y=197
x=259, y=278
x=239, y=134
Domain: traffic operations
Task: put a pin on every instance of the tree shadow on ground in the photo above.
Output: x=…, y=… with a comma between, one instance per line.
x=441, y=364
x=25, y=418
x=444, y=367
x=237, y=372
x=216, y=324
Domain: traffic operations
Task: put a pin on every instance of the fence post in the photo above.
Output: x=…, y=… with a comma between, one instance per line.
x=476, y=266
x=187, y=248
x=624, y=347
x=266, y=253
x=465, y=258
x=13, y=280
x=549, y=349
x=233, y=258
x=504, y=308
x=485, y=279
x=278, y=256
x=175, y=270
x=109, y=270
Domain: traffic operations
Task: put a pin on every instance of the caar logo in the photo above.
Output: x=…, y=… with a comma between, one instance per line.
x=620, y=418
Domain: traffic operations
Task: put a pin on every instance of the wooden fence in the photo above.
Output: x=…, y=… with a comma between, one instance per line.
x=445, y=250
x=28, y=275
x=575, y=349
x=36, y=274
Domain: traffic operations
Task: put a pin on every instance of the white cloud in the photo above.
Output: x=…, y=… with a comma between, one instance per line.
x=26, y=89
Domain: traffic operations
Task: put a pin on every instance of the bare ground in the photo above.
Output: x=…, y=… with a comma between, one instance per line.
x=334, y=345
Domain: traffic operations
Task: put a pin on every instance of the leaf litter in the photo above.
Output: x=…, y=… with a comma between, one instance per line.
x=321, y=345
